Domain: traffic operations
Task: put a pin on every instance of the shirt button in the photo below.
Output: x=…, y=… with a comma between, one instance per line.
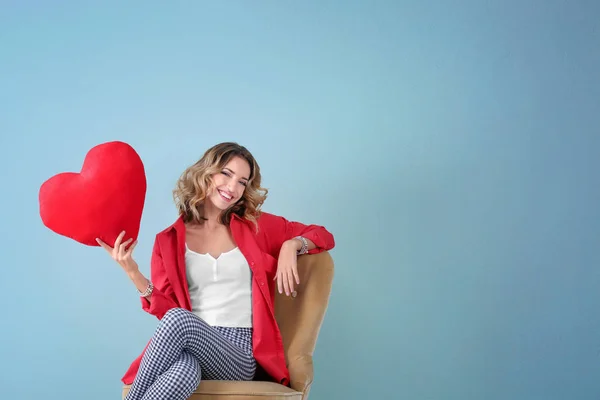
x=262, y=283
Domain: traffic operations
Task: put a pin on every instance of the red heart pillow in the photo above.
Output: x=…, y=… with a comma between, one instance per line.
x=101, y=201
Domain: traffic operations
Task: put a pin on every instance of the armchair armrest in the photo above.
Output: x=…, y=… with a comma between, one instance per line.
x=301, y=373
x=300, y=317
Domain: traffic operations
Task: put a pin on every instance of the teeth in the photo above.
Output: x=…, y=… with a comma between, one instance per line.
x=228, y=197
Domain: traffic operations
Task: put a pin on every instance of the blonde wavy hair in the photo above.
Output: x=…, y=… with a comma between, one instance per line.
x=196, y=182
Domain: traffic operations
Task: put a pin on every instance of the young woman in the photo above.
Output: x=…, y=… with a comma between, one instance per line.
x=212, y=280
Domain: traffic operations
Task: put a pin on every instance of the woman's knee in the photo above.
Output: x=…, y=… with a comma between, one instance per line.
x=175, y=318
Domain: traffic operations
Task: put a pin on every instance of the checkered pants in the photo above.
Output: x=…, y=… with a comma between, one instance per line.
x=184, y=350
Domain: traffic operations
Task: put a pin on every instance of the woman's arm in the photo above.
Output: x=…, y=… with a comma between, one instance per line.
x=283, y=243
x=279, y=231
x=140, y=281
x=162, y=298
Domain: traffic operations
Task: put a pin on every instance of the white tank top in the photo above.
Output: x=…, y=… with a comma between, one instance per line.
x=220, y=289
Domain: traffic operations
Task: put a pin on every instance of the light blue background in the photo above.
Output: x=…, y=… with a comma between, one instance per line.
x=452, y=148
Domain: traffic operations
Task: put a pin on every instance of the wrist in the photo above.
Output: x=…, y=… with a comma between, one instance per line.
x=294, y=243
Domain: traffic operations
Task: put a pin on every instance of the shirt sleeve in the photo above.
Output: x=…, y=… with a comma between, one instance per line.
x=277, y=230
x=163, y=298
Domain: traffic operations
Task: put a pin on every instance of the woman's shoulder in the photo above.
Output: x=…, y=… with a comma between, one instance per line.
x=265, y=217
x=172, y=229
x=267, y=220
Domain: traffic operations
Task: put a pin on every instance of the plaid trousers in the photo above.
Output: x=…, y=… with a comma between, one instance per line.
x=184, y=350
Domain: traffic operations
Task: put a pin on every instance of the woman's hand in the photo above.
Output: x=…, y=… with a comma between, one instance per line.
x=287, y=267
x=121, y=254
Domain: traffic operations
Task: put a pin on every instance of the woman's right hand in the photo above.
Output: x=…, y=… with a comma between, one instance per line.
x=121, y=254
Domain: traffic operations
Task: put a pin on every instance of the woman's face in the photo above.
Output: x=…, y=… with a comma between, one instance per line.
x=230, y=183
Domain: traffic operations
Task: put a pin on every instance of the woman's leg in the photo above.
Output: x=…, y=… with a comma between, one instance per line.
x=178, y=382
x=178, y=331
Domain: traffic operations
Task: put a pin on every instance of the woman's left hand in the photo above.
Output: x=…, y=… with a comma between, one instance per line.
x=287, y=268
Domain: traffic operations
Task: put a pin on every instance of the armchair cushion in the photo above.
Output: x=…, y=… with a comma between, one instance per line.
x=234, y=390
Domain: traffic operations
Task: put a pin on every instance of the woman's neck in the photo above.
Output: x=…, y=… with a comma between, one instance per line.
x=211, y=218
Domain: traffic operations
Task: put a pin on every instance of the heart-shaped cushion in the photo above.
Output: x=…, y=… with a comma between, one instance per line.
x=104, y=199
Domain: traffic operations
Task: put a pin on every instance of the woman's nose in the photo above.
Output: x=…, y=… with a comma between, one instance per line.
x=231, y=184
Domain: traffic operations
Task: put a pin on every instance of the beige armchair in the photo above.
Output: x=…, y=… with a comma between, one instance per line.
x=300, y=318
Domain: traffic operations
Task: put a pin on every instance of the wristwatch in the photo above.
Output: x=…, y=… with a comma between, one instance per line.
x=148, y=290
x=304, y=248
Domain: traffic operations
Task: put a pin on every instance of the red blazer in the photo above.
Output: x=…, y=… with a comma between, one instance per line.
x=261, y=249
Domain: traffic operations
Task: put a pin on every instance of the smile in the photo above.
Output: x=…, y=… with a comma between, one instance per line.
x=225, y=196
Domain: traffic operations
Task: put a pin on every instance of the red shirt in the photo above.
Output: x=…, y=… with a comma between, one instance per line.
x=261, y=250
